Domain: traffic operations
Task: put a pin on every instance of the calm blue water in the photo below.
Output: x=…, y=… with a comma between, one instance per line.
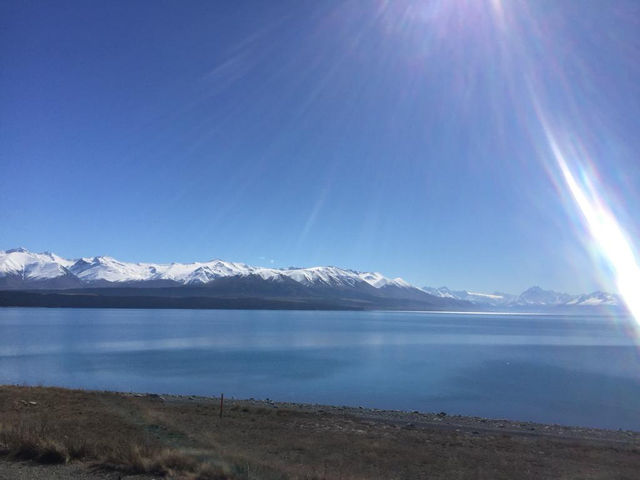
x=562, y=369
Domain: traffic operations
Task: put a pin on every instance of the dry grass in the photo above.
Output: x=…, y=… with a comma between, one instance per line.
x=65, y=425
x=185, y=438
x=26, y=442
x=42, y=445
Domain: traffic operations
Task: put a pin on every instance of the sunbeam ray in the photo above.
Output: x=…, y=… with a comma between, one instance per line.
x=614, y=243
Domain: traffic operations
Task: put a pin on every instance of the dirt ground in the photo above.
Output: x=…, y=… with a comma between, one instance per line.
x=12, y=470
x=108, y=435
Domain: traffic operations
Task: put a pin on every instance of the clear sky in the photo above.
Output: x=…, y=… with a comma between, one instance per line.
x=414, y=138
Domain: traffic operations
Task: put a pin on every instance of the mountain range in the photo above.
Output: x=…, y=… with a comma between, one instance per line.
x=46, y=279
x=534, y=296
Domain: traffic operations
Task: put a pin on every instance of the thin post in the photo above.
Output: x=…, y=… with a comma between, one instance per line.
x=221, y=403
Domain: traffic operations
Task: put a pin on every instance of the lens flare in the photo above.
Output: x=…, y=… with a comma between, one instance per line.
x=613, y=242
x=523, y=69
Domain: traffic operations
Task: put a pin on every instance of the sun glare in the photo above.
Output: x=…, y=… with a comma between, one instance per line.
x=612, y=241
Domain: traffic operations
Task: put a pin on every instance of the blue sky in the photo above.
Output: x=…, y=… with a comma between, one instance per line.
x=403, y=137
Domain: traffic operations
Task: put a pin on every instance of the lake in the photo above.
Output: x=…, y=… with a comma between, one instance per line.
x=575, y=370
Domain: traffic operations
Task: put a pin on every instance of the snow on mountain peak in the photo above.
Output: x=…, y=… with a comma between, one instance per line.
x=20, y=262
x=30, y=266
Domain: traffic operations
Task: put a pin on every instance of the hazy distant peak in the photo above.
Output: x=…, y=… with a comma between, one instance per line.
x=533, y=296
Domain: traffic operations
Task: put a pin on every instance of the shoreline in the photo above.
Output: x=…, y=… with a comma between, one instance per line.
x=157, y=299
x=295, y=440
x=435, y=419
x=447, y=421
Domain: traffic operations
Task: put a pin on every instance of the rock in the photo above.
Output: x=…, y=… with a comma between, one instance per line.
x=33, y=403
x=442, y=414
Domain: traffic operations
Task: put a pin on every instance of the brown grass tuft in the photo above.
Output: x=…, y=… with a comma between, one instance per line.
x=135, y=459
x=26, y=442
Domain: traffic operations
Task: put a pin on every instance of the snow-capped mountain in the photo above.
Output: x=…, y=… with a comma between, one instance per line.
x=45, y=279
x=35, y=266
x=21, y=268
x=534, y=296
x=538, y=296
x=595, y=298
